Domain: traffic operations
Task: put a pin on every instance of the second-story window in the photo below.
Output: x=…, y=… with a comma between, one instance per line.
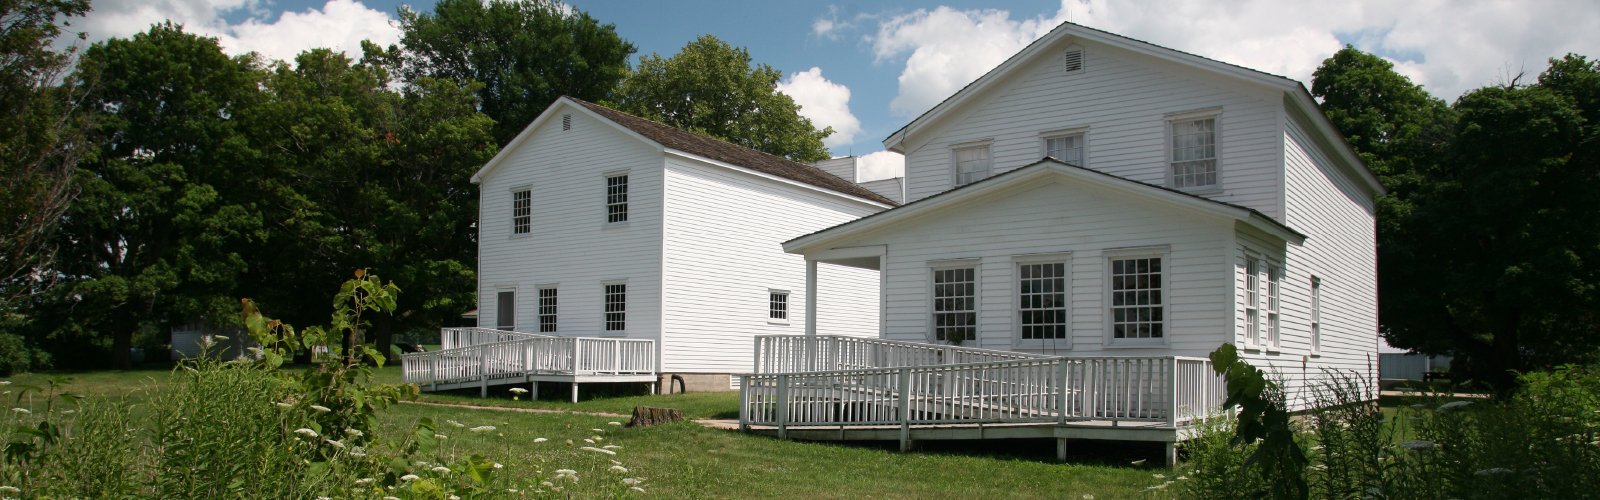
x=1067, y=148
x=616, y=199
x=972, y=165
x=1194, y=153
x=521, y=212
x=1316, y=315
x=1252, y=302
x=1274, y=275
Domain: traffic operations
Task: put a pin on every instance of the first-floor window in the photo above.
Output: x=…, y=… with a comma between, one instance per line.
x=1316, y=315
x=547, y=310
x=505, y=314
x=1042, y=300
x=955, y=308
x=616, y=307
x=1273, y=278
x=1252, y=301
x=778, y=306
x=1136, y=305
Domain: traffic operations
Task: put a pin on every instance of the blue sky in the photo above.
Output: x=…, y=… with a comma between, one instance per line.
x=895, y=59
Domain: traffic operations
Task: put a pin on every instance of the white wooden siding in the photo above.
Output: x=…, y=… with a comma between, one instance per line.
x=570, y=245
x=724, y=231
x=1054, y=218
x=1122, y=99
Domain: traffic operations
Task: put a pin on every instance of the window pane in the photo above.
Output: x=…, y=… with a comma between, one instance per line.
x=954, y=314
x=1043, y=301
x=505, y=314
x=1136, y=312
x=972, y=165
x=1067, y=149
x=778, y=306
x=616, y=308
x=521, y=212
x=617, y=199
x=1194, y=153
x=547, y=310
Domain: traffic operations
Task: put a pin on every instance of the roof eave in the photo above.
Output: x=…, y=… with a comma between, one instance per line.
x=802, y=185
x=477, y=177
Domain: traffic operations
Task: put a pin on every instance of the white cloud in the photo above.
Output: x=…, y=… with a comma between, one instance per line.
x=827, y=104
x=339, y=24
x=1448, y=46
x=881, y=165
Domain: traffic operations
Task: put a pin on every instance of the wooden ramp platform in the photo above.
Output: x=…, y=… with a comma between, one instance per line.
x=480, y=358
x=908, y=436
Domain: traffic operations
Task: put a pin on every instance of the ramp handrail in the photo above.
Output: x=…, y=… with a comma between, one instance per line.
x=534, y=354
x=451, y=338
x=809, y=353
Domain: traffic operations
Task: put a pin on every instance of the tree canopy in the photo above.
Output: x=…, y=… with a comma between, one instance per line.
x=712, y=89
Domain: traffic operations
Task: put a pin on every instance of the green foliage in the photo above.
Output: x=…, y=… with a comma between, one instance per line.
x=524, y=53
x=16, y=356
x=711, y=88
x=1263, y=422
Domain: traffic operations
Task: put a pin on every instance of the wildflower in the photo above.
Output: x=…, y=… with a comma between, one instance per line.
x=1161, y=486
x=440, y=436
x=284, y=405
x=1138, y=462
x=358, y=452
x=320, y=408
x=1183, y=478
x=614, y=462
x=364, y=481
x=598, y=450
x=10, y=490
x=421, y=464
x=1158, y=476
x=1088, y=497
x=69, y=411
x=636, y=488
x=619, y=468
x=1453, y=405
x=597, y=438
x=335, y=444
x=482, y=428
x=590, y=441
x=1417, y=445
x=5, y=382
x=565, y=472
x=409, y=477
x=354, y=433
x=306, y=432
x=569, y=442
x=598, y=430
x=440, y=470
x=539, y=440
x=391, y=498
x=324, y=498
x=21, y=410
x=631, y=481
x=612, y=447
x=511, y=490
x=614, y=423
x=547, y=484
x=1496, y=470
x=455, y=423
x=519, y=390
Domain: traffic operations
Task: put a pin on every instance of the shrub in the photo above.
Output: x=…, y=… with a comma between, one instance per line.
x=15, y=356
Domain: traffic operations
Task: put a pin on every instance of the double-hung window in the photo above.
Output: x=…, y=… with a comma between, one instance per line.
x=1252, y=302
x=1273, y=275
x=1194, y=153
x=972, y=164
x=616, y=318
x=1067, y=148
x=1137, y=305
x=955, y=304
x=616, y=199
x=778, y=307
x=1042, y=300
x=547, y=310
x=1316, y=316
x=521, y=211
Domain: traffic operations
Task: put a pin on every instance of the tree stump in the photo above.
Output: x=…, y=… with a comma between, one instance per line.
x=645, y=416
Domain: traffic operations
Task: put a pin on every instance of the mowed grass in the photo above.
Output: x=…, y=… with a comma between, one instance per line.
x=687, y=460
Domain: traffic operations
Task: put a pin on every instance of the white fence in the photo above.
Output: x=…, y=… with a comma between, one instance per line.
x=531, y=355
x=451, y=338
x=810, y=353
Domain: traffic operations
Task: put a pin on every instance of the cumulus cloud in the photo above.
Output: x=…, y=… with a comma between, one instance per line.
x=881, y=165
x=339, y=24
x=827, y=104
x=1449, y=47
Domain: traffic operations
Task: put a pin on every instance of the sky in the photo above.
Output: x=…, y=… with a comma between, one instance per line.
x=866, y=68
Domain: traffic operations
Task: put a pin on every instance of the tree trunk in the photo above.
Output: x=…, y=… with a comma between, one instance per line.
x=349, y=345
x=383, y=332
x=645, y=416
x=122, y=342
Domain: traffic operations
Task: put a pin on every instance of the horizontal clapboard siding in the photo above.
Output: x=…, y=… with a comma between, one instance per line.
x=570, y=245
x=723, y=247
x=1122, y=99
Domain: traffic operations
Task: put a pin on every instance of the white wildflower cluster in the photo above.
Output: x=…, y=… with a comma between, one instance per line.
x=455, y=423
x=539, y=440
x=306, y=432
x=519, y=390
x=598, y=450
x=440, y=469
x=321, y=409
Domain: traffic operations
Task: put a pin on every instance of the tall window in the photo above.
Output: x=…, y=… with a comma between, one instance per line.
x=1065, y=148
x=616, y=199
x=521, y=212
x=1043, y=300
x=1272, y=305
x=616, y=307
x=1252, y=301
x=547, y=310
x=778, y=306
x=1316, y=315
x=1136, y=306
x=972, y=165
x=505, y=311
x=955, y=308
x=1194, y=153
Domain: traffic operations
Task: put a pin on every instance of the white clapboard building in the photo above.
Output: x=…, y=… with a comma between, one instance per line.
x=602, y=225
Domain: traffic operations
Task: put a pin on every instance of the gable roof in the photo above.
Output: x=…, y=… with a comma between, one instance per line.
x=1300, y=96
x=669, y=138
x=1049, y=166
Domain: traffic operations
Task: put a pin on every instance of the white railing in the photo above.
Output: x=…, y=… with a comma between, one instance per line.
x=1167, y=390
x=812, y=353
x=532, y=355
x=451, y=338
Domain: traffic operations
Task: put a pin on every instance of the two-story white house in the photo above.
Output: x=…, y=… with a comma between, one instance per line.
x=597, y=223
x=1097, y=195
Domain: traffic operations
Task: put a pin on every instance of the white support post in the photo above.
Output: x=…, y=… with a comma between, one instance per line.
x=483, y=372
x=744, y=403
x=533, y=391
x=1172, y=454
x=905, y=409
x=1172, y=392
x=783, y=406
x=574, y=392
x=1061, y=449
x=811, y=297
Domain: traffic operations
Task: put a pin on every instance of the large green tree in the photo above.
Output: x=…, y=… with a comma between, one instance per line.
x=525, y=53
x=156, y=232
x=711, y=88
x=370, y=178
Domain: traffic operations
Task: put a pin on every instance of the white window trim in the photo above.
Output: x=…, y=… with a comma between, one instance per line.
x=1166, y=146
x=1252, y=336
x=516, y=305
x=977, y=296
x=1316, y=317
x=1164, y=252
x=1044, y=144
x=788, y=307
x=1273, y=319
x=538, y=308
x=955, y=164
x=605, y=201
x=512, y=227
x=1017, y=261
x=627, y=319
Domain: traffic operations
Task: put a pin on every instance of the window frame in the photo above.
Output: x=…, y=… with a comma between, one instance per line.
x=605, y=305
x=1162, y=252
x=516, y=296
x=1316, y=316
x=1017, y=262
x=977, y=297
x=1172, y=119
x=1274, y=311
x=773, y=302
x=607, y=201
x=1083, y=144
x=955, y=160
x=1252, y=301
x=529, y=217
x=554, y=313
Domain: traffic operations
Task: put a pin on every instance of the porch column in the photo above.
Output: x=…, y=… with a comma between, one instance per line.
x=811, y=297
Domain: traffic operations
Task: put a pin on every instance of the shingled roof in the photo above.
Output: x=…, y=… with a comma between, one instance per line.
x=723, y=151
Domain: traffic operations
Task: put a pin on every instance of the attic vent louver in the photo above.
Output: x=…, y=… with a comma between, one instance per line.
x=1074, y=60
x=566, y=122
